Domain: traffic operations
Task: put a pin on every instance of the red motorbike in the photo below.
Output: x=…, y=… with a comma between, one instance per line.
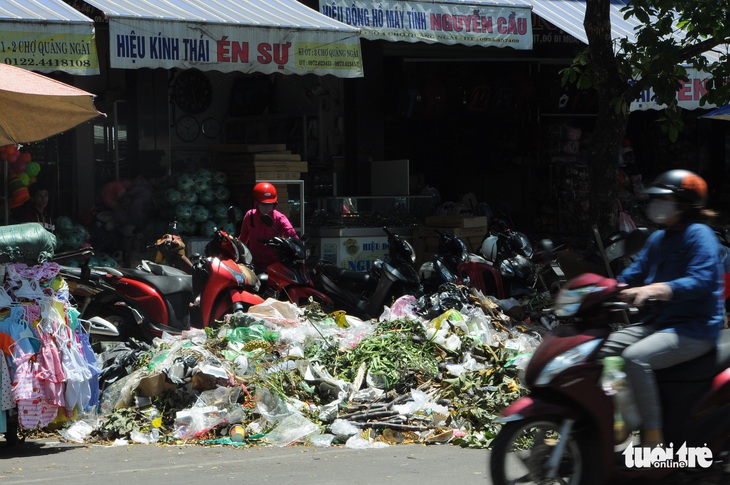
x=288, y=279
x=154, y=298
x=563, y=430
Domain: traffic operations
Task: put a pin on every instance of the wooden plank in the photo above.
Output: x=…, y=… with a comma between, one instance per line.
x=248, y=148
x=263, y=157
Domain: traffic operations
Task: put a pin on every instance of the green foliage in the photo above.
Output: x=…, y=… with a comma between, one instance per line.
x=394, y=352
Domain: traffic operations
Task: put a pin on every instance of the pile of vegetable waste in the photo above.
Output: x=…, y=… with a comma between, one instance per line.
x=426, y=371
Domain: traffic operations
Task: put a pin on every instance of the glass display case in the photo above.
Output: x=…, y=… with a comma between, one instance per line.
x=348, y=231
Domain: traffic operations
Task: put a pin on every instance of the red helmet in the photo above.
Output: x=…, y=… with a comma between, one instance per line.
x=265, y=193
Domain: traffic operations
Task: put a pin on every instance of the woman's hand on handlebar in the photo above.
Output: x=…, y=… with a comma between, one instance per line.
x=641, y=294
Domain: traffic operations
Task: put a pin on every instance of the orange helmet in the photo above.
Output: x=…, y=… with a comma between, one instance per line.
x=265, y=193
x=685, y=185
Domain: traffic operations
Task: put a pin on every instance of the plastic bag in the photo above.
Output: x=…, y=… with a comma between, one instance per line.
x=27, y=243
x=253, y=332
x=290, y=430
x=625, y=222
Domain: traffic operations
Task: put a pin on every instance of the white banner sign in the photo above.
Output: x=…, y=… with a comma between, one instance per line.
x=688, y=96
x=445, y=23
x=230, y=48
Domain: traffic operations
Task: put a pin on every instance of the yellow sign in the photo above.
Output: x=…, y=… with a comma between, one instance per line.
x=74, y=53
x=321, y=56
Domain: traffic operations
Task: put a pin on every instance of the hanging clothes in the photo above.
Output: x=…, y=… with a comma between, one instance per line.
x=78, y=375
x=33, y=410
x=93, y=366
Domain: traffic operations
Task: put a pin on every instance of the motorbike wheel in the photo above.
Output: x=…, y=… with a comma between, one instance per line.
x=522, y=449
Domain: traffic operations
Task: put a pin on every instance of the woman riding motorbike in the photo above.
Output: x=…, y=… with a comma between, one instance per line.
x=254, y=233
x=681, y=266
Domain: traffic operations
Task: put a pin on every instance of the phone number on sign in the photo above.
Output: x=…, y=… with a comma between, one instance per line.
x=22, y=61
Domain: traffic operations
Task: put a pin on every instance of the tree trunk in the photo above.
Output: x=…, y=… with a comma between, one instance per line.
x=611, y=122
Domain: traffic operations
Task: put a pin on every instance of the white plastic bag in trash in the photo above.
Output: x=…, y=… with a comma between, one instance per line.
x=291, y=429
x=77, y=432
x=356, y=442
x=342, y=429
x=421, y=402
x=273, y=309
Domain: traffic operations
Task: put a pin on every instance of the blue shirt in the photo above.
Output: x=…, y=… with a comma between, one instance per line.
x=689, y=260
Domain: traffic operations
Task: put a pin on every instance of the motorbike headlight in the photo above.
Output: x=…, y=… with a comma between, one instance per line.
x=298, y=251
x=569, y=301
x=506, y=269
x=568, y=358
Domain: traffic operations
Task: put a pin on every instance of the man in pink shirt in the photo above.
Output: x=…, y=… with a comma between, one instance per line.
x=254, y=233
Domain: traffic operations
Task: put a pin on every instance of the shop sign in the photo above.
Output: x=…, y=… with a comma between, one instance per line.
x=227, y=48
x=688, y=96
x=357, y=254
x=47, y=51
x=445, y=23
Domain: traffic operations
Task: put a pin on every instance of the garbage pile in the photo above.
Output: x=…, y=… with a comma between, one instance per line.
x=432, y=370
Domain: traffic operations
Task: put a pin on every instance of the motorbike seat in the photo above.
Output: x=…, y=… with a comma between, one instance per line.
x=165, y=284
x=94, y=273
x=705, y=367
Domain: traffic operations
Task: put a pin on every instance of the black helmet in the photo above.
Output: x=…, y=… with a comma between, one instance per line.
x=685, y=185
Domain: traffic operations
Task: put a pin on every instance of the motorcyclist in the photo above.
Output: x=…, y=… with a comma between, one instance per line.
x=254, y=233
x=681, y=266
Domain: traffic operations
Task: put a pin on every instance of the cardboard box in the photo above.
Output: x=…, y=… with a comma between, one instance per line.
x=154, y=385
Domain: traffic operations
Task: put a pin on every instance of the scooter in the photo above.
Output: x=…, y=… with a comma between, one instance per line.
x=365, y=294
x=146, y=301
x=563, y=430
x=511, y=253
x=453, y=263
x=288, y=279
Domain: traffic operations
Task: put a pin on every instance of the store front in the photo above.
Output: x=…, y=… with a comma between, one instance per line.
x=186, y=85
x=441, y=84
x=49, y=37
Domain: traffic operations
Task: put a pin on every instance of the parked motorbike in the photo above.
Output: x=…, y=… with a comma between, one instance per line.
x=364, y=294
x=563, y=431
x=146, y=301
x=454, y=263
x=522, y=269
x=288, y=278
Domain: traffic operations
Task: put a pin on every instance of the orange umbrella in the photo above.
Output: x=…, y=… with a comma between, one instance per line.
x=34, y=107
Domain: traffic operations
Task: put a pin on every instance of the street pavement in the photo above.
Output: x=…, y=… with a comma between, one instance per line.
x=46, y=461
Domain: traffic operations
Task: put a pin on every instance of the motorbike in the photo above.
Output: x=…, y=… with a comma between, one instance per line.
x=288, y=278
x=154, y=298
x=454, y=263
x=364, y=294
x=563, y=431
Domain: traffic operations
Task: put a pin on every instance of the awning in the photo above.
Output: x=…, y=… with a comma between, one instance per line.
x=47, y=36
x=506, y=23
x=568, y=16
x=268, y=36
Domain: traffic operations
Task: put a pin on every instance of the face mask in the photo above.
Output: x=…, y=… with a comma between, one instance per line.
x=661, y=210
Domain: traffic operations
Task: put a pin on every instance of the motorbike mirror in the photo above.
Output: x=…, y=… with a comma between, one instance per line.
x=267, y=220
x=548, y=249
x=231, y=214
x=635, y=241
